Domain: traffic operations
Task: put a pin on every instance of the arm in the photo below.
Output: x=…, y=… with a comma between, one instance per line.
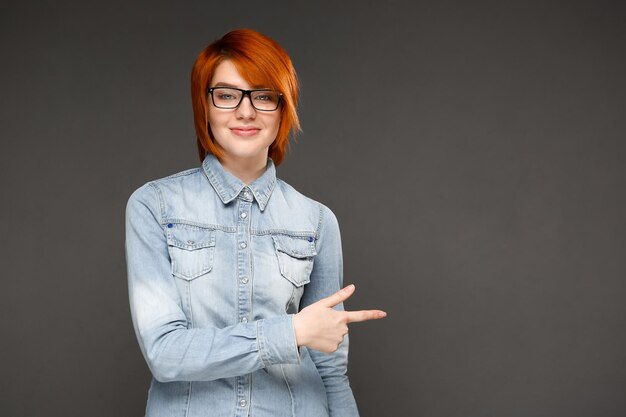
x=173, y=351
x=327, y=279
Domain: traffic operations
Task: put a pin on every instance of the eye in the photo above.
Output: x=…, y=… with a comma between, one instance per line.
x=269, y=96
x=225, y=96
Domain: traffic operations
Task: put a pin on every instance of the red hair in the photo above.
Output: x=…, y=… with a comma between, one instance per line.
x=260, y=61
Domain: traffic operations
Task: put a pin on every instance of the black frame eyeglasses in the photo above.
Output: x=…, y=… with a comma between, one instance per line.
x=268, y=100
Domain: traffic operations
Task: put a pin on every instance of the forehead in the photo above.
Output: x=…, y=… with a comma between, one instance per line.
x=227, y=74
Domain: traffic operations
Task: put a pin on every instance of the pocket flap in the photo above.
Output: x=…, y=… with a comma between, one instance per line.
x=297, y=247
x=190, y=238
x=191, y=250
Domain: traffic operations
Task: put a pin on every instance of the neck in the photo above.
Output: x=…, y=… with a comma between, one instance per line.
x=246, y=169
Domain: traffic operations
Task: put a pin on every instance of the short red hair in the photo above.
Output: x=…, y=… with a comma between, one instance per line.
x=261, y=61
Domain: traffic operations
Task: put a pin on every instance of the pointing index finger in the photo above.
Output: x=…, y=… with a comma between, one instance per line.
x=364, y=315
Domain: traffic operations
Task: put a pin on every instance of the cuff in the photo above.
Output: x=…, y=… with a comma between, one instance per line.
x=277, y=340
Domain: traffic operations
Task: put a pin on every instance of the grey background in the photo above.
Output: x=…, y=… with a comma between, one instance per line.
x=472, y=152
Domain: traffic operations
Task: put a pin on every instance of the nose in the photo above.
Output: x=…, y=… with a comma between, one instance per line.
x=245, y=110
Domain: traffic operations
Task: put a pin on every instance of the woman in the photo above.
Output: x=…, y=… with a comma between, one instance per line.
x=234, y=276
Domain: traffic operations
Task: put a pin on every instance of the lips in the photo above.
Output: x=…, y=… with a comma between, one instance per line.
x=245, y=130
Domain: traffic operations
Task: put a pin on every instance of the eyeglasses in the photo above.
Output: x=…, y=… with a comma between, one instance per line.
x=231, y=98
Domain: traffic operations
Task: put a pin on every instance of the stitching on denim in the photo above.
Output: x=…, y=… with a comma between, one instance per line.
x=218, y=187
x=260, y=344
x=193, y=335
x=292, y=233
x=293, y=409
x=188, y=398
x=188, y=288
x=295, y=341
x=208, y=175
x=208, y=226
x=319, y=224
x=265, y=194
x=182, y=173
x=221, y=191
x=159, y=196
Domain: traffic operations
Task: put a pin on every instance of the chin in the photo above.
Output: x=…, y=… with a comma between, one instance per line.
x=244, y=154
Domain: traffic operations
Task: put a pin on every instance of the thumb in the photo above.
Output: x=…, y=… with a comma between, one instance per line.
x=338, y=297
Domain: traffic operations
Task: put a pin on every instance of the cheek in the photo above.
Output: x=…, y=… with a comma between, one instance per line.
x=275, y=125
x=214, y=119
x=216, y=124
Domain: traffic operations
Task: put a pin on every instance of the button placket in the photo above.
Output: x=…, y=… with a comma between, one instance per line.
x=244, y=276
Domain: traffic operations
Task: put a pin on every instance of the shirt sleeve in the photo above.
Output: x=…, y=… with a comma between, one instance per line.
x=326, y=279
x=173, y=351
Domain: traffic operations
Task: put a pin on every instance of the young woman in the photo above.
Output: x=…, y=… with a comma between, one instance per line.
x=234, y=276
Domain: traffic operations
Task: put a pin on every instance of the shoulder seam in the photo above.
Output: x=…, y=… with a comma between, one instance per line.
x=319, y=223
x=157, y=192
x=183, y=173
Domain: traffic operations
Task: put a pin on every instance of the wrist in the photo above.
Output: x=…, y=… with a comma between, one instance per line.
x=297, y=329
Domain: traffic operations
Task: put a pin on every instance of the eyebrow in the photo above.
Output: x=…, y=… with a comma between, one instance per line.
x=254, y=87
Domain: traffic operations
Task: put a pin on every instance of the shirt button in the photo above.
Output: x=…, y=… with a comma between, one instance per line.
x=243, y=245
x=244, y=280
x=246, y=195
x=242, y=403
x=243, y=215
x=244, y=320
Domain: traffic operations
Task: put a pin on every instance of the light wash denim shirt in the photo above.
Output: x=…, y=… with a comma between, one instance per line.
x=216, y=271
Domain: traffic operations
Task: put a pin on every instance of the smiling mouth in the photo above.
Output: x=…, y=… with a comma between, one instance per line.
x=245, y=131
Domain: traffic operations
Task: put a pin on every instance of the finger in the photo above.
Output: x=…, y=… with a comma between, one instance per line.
x=364, y=315
x=338, y=297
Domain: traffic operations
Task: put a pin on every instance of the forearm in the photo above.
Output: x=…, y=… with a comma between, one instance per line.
x=175, y=353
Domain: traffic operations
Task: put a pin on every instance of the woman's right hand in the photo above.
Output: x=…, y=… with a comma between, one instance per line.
x=320, y=327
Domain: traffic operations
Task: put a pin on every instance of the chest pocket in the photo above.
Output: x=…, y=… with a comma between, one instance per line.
x=191, y=250
x=295, y=257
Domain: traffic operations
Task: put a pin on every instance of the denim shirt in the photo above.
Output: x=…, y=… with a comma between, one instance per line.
x=216, y=271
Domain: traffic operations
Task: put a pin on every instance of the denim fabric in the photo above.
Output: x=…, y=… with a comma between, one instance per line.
x=216, y=271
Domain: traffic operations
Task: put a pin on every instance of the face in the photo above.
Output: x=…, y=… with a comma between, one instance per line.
x=243, y=133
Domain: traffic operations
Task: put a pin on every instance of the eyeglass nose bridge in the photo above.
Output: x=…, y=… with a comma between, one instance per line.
x=245, y=93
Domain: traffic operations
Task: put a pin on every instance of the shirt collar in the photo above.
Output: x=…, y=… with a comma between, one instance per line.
x=228, y=186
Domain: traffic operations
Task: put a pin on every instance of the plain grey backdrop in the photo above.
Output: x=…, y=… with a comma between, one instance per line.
x=473, y=153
